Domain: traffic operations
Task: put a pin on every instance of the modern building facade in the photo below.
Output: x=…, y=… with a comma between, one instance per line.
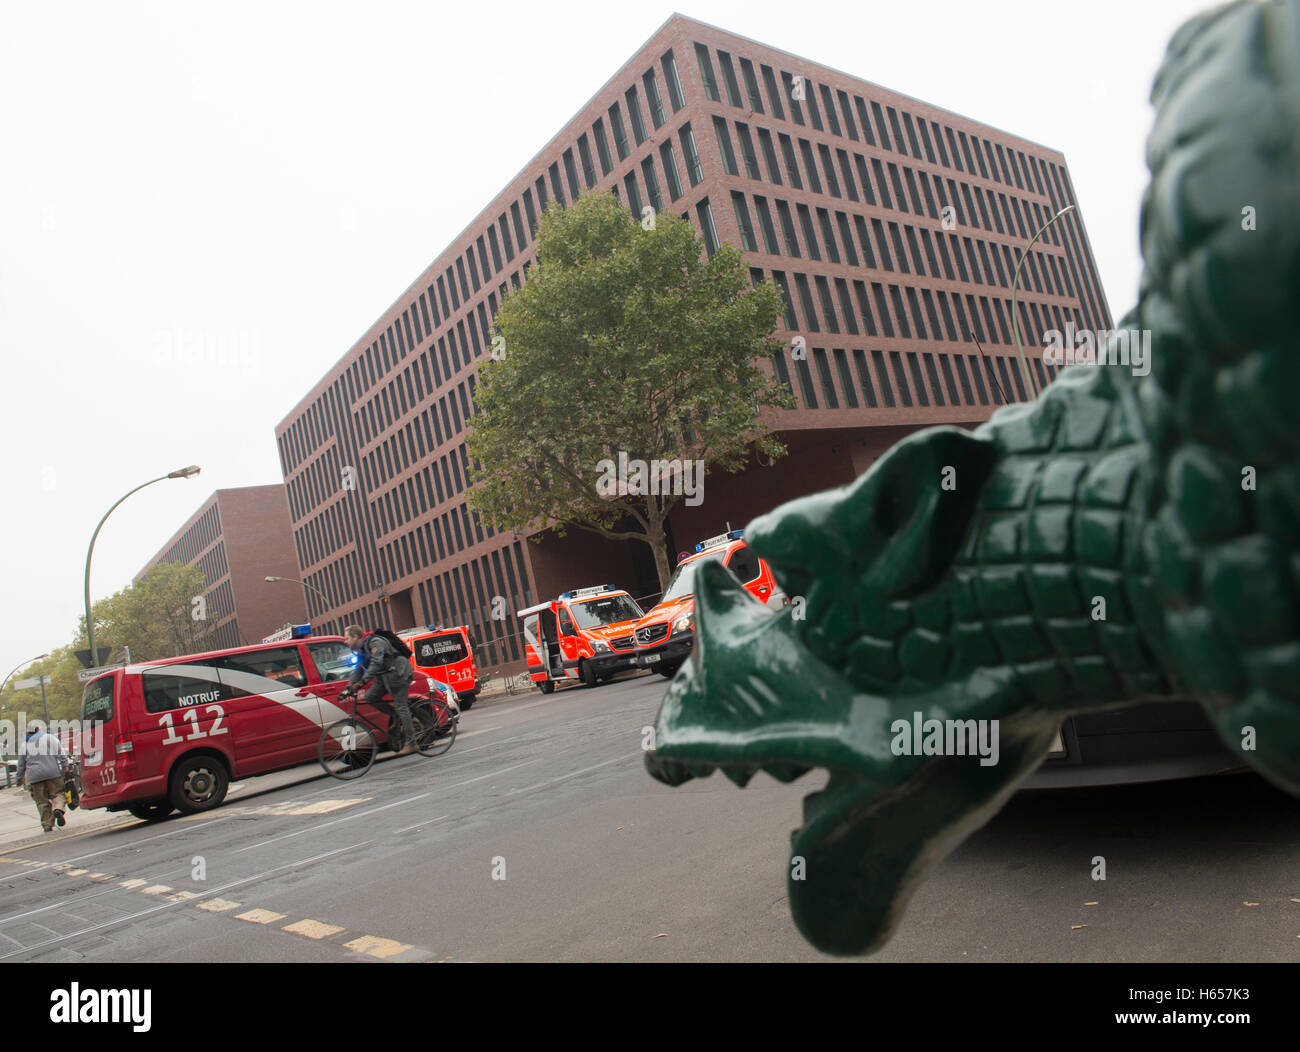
x=892, y=228
x=238, y=538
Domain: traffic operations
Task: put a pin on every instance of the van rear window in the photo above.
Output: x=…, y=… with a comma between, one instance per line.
x=97, y=702
x=432, y=651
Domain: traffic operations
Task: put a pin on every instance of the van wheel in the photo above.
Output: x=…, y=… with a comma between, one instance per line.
x=151, y=812
x=199, y=783
x=546, y=686
x=668, y=671
x=588, y=673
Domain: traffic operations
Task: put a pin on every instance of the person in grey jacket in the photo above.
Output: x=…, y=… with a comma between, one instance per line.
x=41, y=762
x=389, y=672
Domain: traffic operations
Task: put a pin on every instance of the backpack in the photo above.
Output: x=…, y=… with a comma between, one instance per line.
x=394, y=641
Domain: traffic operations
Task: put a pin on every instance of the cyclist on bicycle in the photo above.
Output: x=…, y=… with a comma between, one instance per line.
x=389, y=672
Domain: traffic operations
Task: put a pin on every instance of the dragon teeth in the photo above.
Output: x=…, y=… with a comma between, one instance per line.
x=785, y=772
x=740, y=775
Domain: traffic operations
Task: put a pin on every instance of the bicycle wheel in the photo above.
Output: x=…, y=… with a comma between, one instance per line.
x=436, y=730
x=347, y=748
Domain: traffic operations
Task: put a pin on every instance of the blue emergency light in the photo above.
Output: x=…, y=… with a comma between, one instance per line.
x=298, y=631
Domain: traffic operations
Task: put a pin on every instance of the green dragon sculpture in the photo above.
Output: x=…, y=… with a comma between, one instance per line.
x=960, y=577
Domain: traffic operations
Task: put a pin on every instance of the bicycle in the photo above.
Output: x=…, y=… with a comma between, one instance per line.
x=348, y=747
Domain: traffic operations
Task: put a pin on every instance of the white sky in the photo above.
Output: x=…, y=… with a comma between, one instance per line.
x=261, y=181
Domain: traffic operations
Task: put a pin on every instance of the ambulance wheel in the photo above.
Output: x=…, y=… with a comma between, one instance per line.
x=151, y=812
x=668, y=671
x=588, y=673
x=546, y=686
x=198, y=783
x=465, y=701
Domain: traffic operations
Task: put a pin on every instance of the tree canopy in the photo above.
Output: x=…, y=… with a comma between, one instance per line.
x=624, y=347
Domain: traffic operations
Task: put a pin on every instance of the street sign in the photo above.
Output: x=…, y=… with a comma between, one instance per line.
x=87, y=674
x=101, y=655
x=35, y=681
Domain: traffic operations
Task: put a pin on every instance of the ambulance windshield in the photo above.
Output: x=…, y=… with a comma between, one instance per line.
x=608, y=610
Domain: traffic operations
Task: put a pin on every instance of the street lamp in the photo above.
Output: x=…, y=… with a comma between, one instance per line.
x=179, y=473
x=1015, y=287
x=20, y=664
x=324, y=598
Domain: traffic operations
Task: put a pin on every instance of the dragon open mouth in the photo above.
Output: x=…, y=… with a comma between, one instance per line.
x=755, y=696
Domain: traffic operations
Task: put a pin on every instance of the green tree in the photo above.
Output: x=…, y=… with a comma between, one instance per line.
x=623, y=341
x=155, y=617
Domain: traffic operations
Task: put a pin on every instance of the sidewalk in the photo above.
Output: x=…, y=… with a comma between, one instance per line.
x=20, y=824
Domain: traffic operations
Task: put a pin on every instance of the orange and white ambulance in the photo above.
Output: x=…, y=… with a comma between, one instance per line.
x=582, y=634
x=665, y=637
x=446, y=654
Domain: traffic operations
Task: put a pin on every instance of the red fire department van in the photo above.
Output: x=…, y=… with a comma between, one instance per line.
x=172, y=734
x=583, y=634
x=446, y=654
x=665, y=636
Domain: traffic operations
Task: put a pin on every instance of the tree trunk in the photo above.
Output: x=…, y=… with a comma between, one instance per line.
x=655, y=538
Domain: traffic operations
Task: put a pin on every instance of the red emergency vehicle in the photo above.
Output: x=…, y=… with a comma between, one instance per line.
x=172, y=734
x=446, y=654
x=665, y=636
x=583, y=634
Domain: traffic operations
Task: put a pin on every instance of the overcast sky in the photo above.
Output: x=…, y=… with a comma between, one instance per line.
x=258, y=182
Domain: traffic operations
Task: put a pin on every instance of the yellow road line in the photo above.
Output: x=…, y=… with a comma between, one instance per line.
x=376, y=947
x=259, y=916
x=218, y=905
x=313, y=929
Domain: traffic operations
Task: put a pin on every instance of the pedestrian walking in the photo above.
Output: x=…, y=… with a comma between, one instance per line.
x=41, y=763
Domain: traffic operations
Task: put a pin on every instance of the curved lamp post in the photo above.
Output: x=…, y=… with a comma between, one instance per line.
x=5, y=682
x=1015, y=287
x=324, y=598
x=179, y=473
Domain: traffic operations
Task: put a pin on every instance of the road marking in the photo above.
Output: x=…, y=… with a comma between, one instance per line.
x=154, y=909
x=74, y=872
x=259, y=916
x=325, y=825
x=304, y=807
x=183, y=896
x=135, y=883
x=218, y=905
x=574, y=774
x=420, y=824
x=136, y=843
x=155, y=889
x=313, y=929
x=377, y=947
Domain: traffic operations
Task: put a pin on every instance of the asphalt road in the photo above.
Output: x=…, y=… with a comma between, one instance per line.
x=539, y=837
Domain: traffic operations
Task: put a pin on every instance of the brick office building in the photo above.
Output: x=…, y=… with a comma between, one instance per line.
x=238, y=538
x=892, y=228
